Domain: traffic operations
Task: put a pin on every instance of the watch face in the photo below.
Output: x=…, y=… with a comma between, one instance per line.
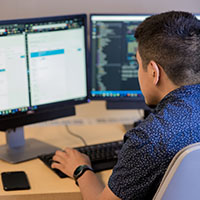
x=78, y=170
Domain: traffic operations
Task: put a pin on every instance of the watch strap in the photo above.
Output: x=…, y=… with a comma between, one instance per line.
x=79, y=171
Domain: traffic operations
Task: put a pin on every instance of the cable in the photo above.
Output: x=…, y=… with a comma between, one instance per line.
x=75, y=135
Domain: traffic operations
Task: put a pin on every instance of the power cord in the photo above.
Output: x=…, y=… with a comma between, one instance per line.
x=75, y=135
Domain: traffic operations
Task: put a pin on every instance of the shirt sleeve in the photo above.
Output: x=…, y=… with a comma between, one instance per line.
x=137, y=174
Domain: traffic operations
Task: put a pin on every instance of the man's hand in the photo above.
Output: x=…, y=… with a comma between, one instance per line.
x=68, y=160
x=91, y=188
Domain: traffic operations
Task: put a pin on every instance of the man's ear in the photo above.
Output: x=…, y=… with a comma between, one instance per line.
x=154, y=72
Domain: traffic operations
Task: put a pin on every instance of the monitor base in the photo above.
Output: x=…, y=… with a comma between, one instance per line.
x=31, y=149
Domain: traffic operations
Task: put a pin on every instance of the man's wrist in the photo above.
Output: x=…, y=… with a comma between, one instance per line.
x=79, y=171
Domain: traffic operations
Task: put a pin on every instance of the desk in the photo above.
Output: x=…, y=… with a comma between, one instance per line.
x=44, y=183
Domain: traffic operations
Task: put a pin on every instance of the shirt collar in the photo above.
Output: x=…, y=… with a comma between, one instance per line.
x=179, y=93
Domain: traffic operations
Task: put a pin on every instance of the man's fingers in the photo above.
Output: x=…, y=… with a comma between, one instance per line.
x=69, y=150
x=60, y=153
x=59, y=159
x=57, y=166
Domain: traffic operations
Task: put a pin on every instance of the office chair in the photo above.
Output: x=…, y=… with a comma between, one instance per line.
x=182, y=178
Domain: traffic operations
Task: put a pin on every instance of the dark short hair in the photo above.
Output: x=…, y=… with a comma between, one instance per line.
x=172, y=40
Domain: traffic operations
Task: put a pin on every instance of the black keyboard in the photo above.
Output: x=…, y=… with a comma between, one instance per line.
x=103, y=156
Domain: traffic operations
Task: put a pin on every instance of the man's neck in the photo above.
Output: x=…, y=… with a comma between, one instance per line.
x=167, y=88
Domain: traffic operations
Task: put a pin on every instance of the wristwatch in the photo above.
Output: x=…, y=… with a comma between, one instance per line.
x=79, y=171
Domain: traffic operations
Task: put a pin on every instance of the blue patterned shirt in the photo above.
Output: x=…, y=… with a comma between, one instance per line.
x=149, y=148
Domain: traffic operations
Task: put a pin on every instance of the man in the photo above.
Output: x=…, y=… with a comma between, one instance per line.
x=169, y=74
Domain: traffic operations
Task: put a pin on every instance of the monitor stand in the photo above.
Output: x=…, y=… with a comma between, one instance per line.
x=129, y=104
x=18, y=149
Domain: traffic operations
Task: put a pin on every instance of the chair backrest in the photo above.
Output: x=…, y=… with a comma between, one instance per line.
x=182, y=178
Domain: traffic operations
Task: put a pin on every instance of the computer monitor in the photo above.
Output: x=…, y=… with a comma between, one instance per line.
x=43, y=75
x=113, y=60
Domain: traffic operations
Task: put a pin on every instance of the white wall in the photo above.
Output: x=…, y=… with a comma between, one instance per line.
x=35, y=8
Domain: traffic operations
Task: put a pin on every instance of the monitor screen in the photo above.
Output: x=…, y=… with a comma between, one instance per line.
x=42, y=68
x=113, y=60
x=43, y=75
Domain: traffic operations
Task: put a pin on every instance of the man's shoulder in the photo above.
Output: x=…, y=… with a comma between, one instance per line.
x=166, y=123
